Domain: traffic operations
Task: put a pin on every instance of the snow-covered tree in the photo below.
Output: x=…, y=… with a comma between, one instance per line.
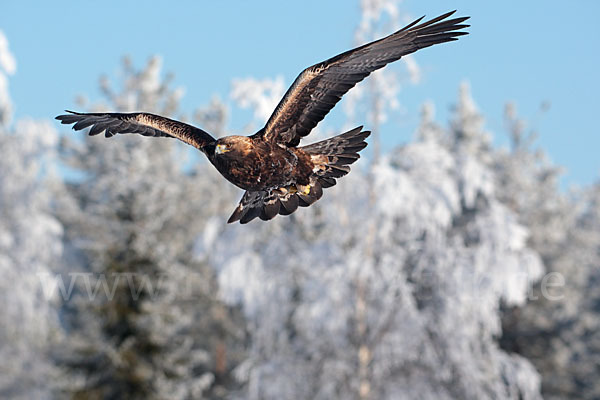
x=8, y=66
x=259, y=95
x=557, y=330
x=143, y=320
x=582, y=340
x=419, y=305
x=389, y=287
x=30, y=249
x=377, y=97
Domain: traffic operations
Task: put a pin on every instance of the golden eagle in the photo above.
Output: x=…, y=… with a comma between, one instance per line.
x=279, y=176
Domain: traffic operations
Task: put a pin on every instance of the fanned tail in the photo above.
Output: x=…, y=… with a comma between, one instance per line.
x=266, y=204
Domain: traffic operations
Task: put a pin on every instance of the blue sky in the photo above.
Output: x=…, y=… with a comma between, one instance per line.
x=527, y=52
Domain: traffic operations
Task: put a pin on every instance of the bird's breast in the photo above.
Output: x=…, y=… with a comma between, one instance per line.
x=262, y=168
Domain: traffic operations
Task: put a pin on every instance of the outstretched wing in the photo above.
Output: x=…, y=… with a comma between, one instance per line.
x=318, y=88
x=141, y=123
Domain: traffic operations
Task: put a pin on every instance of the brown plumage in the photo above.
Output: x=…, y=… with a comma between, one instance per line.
x=279, y=176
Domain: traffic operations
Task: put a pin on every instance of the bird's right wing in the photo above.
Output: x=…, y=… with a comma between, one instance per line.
x=141, y=123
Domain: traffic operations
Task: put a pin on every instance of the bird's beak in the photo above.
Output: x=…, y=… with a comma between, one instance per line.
x=221, y=148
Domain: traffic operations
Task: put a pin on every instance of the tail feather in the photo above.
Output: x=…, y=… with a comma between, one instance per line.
x=327, y=182
x=310, y=193
x=267, y=204
x=289, y=204
x=332, y=158
x=349, y=142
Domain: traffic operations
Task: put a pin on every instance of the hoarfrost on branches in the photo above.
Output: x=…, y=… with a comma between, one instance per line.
x=558, y=331
x=379, y=96
x=151, y=328
x=30, y=249
x=415, y=277
x=375, y=13
x=8, y=66
x=7, y=59
x=213, y=117
x=409, y=282
x=143, y=90
x=262, y=96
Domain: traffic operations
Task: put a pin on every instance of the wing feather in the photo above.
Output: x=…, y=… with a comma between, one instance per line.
x=141, y=123
x=318, y=88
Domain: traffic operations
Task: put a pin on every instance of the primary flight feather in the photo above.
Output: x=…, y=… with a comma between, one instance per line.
x=279, y=176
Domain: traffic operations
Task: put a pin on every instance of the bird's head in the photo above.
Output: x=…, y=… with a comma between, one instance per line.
x=233, y=146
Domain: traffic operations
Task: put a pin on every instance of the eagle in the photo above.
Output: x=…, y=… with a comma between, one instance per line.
x=278, y=175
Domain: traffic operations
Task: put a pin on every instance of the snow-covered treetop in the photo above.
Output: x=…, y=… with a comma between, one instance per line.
x=262, y=96
x=8, y=66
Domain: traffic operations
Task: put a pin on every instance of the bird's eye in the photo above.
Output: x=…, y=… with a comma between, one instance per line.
x=222, y=148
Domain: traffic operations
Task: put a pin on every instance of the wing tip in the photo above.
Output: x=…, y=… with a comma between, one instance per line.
x=235, y=216
x=446, y=15
x=62, y=117
x=438, y=21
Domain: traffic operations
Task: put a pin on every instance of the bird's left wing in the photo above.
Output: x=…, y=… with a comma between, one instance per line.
x=318, y=88
x=141, y=123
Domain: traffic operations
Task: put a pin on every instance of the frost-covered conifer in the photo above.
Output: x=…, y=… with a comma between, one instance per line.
x=143, y=320
x=30, y=249
x=392, y=285
x=558, y=329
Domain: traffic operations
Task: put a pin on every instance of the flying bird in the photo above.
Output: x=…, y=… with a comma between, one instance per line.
x=278, y=175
